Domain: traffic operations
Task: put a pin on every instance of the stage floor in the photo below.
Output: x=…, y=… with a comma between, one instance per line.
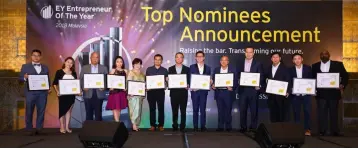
x=51, y=138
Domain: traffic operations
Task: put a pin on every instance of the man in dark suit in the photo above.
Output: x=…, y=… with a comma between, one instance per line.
x=179, y=97
x=34, y=98
x=93, y=97
x=278, y=105
x=249, y=95
x=328, y=99
x=199, y=97
x=301, y=70
x=224, y=96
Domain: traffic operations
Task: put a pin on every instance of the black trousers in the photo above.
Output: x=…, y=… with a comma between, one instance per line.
x=325, y=108
x=94, y=105
x=279, y=107
x=156, y=98
x=179, y=103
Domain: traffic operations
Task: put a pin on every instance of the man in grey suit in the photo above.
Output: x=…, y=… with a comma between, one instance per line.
x=38, y=98
x=93, y=97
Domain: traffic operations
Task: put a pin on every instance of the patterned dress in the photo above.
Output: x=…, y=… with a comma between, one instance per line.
x=135, y=102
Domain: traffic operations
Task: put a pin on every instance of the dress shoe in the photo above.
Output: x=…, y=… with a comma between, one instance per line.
x=175, y=129
x=38, y=132
x=203, y=129
x=308, y=133
x=196, y=129
x=242, y=130
x=220, y=129
x=337, y=134
x=228, y=129
x=161, y=128
x=182, y=129
x=152, y=128
x=323, y=133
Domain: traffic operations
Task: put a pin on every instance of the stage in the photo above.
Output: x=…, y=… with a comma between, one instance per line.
x=51, y=138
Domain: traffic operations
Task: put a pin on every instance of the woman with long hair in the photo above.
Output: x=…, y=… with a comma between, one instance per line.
x=65, y=101
x=117, y=99
x=135, y=102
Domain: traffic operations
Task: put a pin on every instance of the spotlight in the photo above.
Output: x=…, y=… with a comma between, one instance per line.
x=152, y=50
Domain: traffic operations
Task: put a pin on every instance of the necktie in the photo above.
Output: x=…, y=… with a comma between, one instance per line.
x=36, y=64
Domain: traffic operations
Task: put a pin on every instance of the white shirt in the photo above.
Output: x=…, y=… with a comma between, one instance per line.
x=274, y=69
x=247, y=65
x=68, y=77
x=94, y=68
x=325, y=66
x=224, y=70
x=201, y=69
x=37, y=68
x=299, y=71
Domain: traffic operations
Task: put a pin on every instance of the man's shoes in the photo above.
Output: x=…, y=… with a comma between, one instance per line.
x=30, y=133
x=203, y=129
x=161, y=128
x=323, y=133
x=243, y=130
x=252, y=130
x=175, y=129
x=220, y=129
x=182, y=129
x=152, y=128
x=228, y=129
x=196, y=129
x=308, y=132
x=38, y=132
x=337, y=134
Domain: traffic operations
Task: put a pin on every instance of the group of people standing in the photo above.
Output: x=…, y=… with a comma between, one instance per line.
x=279, y=106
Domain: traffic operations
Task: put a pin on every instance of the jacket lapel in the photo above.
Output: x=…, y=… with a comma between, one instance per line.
x=252, y=65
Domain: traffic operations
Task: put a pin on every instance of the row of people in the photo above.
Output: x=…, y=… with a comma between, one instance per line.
x=327, y=99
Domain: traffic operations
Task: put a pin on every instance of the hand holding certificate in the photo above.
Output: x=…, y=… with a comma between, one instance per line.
x=155, y=82
x=224, y=80
x=93, y=81
x=38, y=82
x=116, y=82
x=69, y=87
x=249, y=79
x=201, y=82
x=327, y=80
x=136, y=88
x=177, y=81
x=304, y=86
x=277, y=87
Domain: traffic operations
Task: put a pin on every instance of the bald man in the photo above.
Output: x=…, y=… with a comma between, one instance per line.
x=328, y=99
x=93, y=97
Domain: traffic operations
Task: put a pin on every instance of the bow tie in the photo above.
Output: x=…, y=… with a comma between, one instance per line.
x=36, y=64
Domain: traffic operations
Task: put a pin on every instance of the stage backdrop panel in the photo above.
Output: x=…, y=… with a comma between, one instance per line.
x=143, y=28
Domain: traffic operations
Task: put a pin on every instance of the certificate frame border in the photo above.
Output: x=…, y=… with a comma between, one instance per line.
x=315, y=88
x=48, y=79
x=339, y=81
x=191, y=77
x=104, y=80
x=146, y=85
x=145, y=92
x=179, y=87
x=274, y=93
x=250, y=85
x=68, y=80
x=125, y=81
x=233, y=75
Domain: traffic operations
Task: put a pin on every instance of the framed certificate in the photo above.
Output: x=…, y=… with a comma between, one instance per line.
x=177, y=81
x=224, y=80
x=201, y=82
x=276, y=87
x=38, y=82
x=249, y=79
x=116, y=82
x=304, y=86
x=155, y=82
x=136, y=88
x=93, y=81
x=327, y=80
x=69, y=87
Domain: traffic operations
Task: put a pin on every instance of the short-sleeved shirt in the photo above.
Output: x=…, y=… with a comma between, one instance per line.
x=151, y=71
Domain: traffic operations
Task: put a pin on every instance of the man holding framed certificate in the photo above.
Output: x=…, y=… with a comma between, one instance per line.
x=328, y=98
x=37, y=75
x=224, y=92
x=178, y=94
x=93, y=93
x=301, y=71
x=278, y=104
x=156, y=95
x=249, y=92
x=199, y=97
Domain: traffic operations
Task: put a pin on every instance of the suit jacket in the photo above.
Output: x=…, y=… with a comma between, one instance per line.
x=306, y=72
x=235, y=83
x=194, y=69
x=87, y=69
x=335, y=67
x=30, y=70
x=256, y=67
x=282, y=74
x=179, y=93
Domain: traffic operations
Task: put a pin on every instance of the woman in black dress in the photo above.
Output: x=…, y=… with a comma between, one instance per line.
x=65, y=101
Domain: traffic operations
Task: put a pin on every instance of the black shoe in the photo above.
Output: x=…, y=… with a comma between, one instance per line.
x=220, y=129
x=203, y=129
x=323, y=133
x=175, y=129
x=182, y=129
x=337, y=134
x=196, y=129
x=252, y=130
x=243, y=130
x=228, y=129
x=38, y=132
